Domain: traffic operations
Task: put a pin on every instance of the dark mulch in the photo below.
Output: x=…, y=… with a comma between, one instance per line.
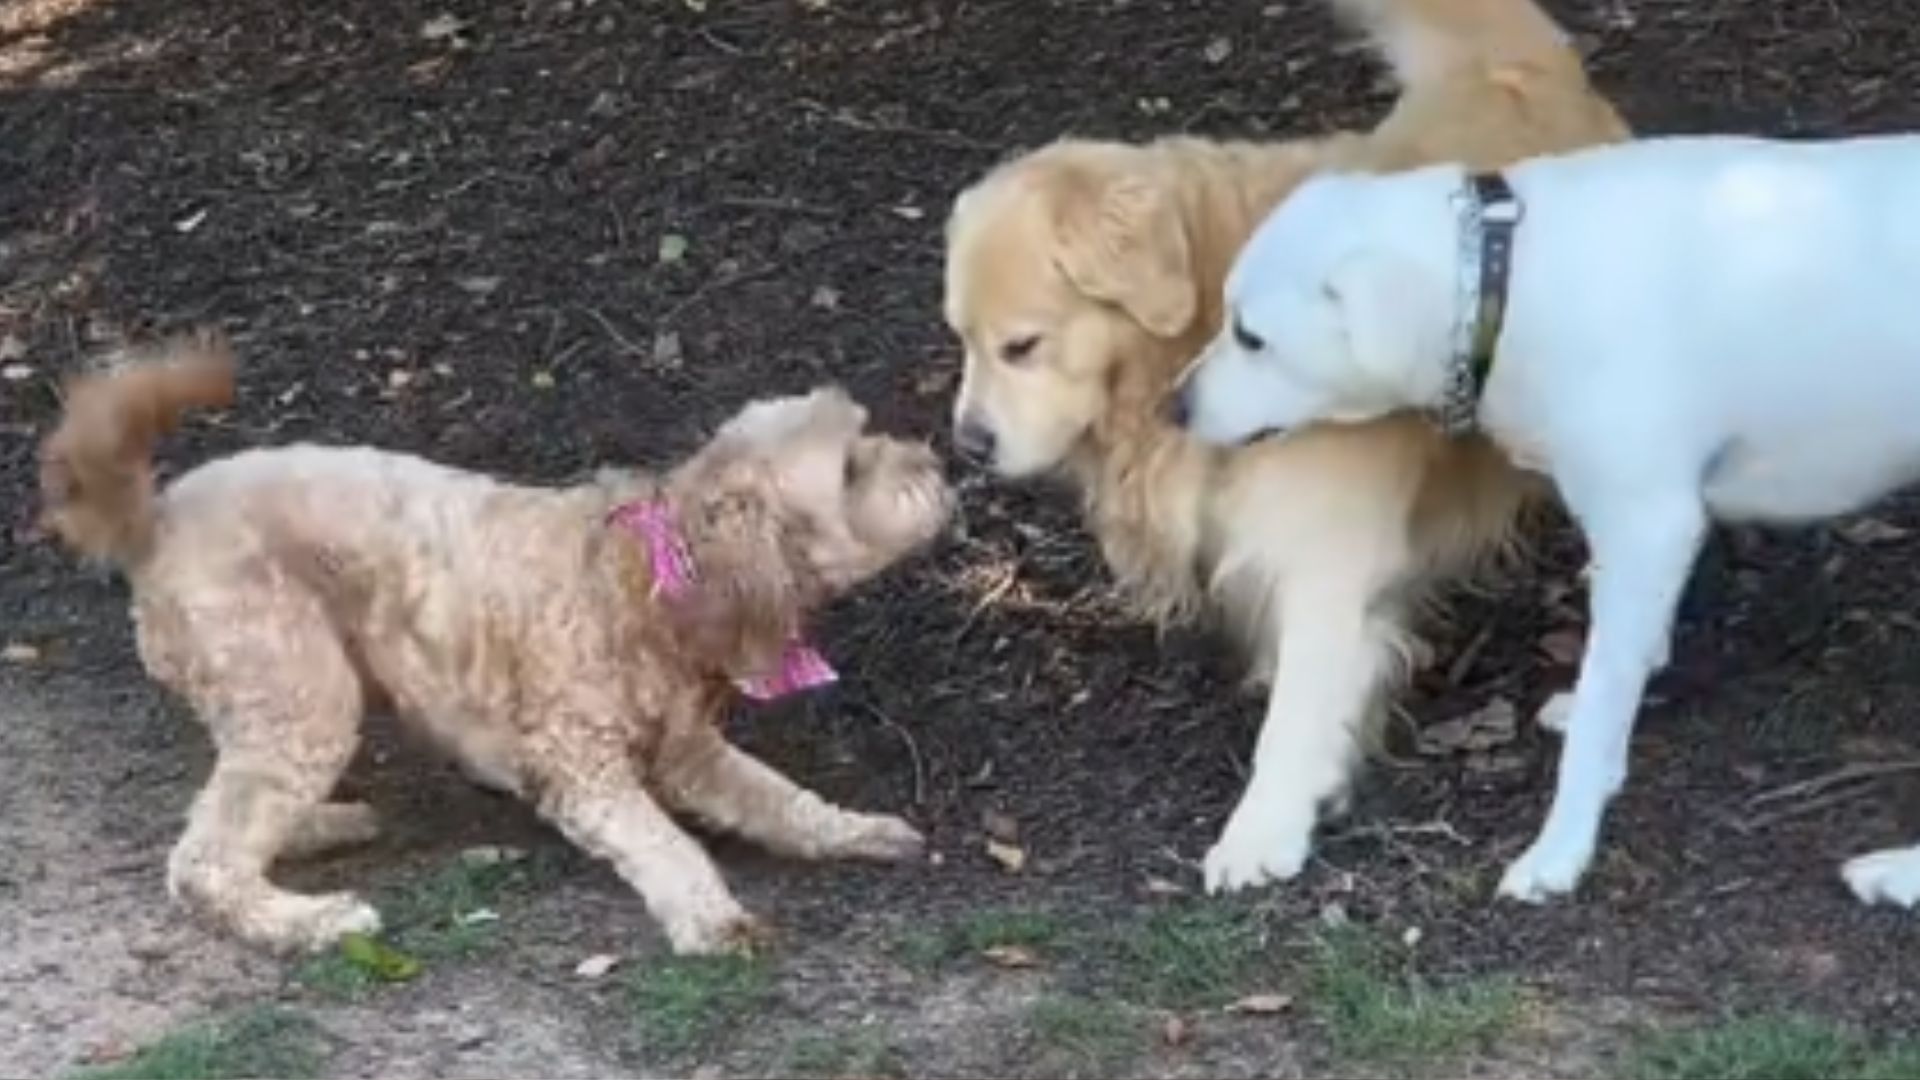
x=440, y=228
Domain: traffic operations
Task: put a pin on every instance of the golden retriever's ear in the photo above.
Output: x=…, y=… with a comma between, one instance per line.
x=1125, y=243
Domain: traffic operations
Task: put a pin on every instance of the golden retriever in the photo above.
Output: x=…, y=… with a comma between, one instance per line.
x=575, y=646
x=1083, y=276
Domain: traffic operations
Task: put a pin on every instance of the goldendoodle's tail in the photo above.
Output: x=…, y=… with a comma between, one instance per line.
x=1430, y=40
x=96, y=468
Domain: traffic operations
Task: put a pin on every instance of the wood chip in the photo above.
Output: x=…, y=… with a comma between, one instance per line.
x=596, y=966
x=1866, y=530
x=1261, y=1005
x=1011, y=859
x=1011, y=956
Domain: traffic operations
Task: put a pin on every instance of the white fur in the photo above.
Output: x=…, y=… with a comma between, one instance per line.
x=1710, y=327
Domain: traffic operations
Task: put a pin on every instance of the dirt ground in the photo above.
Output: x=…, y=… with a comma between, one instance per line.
x=527, y=237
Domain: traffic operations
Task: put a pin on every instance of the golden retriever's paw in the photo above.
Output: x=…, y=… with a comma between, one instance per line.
x=1885, y=877
x=1257, y=848
x=882, y=838
x=734, y=934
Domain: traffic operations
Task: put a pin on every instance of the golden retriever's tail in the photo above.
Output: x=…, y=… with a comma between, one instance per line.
x=1429, y=40
x=96, y=468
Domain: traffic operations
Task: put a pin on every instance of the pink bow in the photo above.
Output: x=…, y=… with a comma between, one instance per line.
x=652, y=521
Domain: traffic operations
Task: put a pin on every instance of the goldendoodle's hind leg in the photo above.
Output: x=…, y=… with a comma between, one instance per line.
x=329, y=826
x=283, y=702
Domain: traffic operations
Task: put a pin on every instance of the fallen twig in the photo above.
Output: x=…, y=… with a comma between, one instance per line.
x=1863, y=770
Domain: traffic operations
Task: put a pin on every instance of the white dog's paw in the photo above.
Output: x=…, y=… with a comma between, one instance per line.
x=1885, y=877
x=1257, y=849
x=1544, y=872
x=1554, y=714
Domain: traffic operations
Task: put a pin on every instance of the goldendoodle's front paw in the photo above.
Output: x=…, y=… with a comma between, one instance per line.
x=734, y=933
x=883, y=838
x=290, y=922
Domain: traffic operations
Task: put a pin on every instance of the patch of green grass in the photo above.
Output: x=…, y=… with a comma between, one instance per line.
x=930, y=950
x=1773, y=1048
x=261, y=1041
x=1075, y=1036
x=863, y=1052
x=1375, y=1006
x=451, y=914
x=680, y=1003
x=1194, y=956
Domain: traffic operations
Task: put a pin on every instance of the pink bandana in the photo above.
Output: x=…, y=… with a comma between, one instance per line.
x=651, y=521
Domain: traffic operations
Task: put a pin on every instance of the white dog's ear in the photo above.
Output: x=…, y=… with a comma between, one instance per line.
x=1384, y=308
x=1125, y=243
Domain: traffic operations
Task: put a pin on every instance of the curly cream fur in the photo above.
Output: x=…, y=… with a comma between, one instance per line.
x=283, y=592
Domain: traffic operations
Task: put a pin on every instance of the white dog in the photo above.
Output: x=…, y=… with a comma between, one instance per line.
x=1698, y=328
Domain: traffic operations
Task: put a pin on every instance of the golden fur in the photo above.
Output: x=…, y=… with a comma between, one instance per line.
x=1084, y=276
x=282, y=592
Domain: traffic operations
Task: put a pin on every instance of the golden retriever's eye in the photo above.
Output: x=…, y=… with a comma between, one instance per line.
x=1019, y=349
x=1246, y=338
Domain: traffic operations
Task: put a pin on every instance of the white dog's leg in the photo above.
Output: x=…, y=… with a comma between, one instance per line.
x=1886, y=877
x=1333, y=660
x=1643, y=549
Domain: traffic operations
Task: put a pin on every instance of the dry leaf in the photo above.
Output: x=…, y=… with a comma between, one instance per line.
x=19, y=652
x=1261, y=1005
x=12, y=347
x=673, y=248
x=491, y=855
x=825, y=297
x=191, y=221
x=910, y=213
x=479, y=286
x=541, y=380
x=593, y=967
x=442, y=27
x=1000, y=826
x=1011, y=956
x=1218, y=50
x=1492, y=725
x=1866, y=530
x=1158, y=886
x=1011, y=859
x=667, y=352
x=16, y=372
x=1563, y=647
x=1175, y=1032
x=933, y=382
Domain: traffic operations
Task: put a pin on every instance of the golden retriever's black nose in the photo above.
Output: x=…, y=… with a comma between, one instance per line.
x=1176, y=408
x=974, y=440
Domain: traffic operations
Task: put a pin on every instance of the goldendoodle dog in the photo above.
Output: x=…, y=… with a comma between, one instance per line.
x=575, y=646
